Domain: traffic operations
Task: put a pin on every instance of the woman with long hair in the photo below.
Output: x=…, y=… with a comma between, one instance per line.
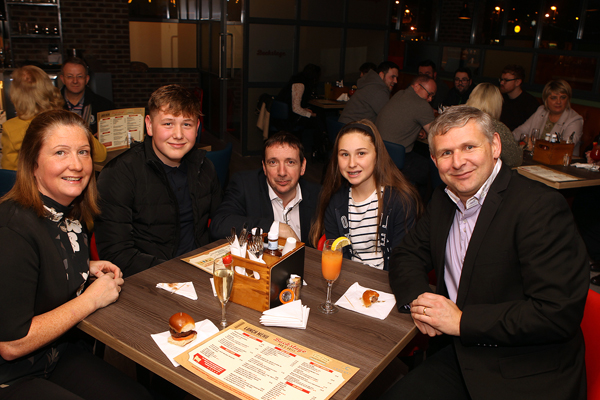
x=32, y=93
x=365, y=197
x=45, y=288
x=487, y=98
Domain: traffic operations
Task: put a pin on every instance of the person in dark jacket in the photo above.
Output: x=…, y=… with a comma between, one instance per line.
x=463, y=86
x=156, y=197
x=79, y=98
x=365, y=197
x=276, y=192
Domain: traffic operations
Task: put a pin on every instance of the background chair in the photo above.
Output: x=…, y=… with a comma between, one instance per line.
x=590, y=325
x=220, y=159
x=333, y=128
x=7, y=180
x=279, y=119
x=396, y=152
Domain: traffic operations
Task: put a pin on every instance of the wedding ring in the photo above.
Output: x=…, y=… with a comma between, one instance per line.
x=425, y=311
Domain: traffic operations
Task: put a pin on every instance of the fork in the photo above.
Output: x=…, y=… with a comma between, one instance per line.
x=256, y=246
x=231, y=238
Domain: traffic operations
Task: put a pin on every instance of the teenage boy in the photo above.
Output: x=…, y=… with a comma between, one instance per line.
x=156, y=198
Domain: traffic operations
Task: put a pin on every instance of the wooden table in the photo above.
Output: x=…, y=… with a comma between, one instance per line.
x=142, y=309
x=586, y=178
x=328, y=104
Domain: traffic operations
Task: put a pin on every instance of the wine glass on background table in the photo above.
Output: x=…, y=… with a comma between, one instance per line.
x=331, y=265
x=223, y=277
x=535, y=135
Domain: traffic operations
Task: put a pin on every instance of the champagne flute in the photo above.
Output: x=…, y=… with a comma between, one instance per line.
x=223, y=277
x=331, y=265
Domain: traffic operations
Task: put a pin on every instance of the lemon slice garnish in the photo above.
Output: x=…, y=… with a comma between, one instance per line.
x=342, y=241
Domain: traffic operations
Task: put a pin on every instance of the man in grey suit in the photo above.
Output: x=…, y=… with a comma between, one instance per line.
x=512, y=277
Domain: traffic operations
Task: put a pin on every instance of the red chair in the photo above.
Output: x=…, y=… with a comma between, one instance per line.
x=321, y=243
x=93, y=249
x=590, y=325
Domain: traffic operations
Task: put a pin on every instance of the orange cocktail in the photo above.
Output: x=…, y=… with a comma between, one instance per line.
x=331, y=264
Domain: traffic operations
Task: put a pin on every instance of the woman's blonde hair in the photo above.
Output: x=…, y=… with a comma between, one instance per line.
x=32, y=92
x=25, y=191
x=557, y=86
x=487, y=98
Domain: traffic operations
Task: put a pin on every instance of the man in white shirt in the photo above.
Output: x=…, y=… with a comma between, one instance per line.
x=512, y=277
x=275, y=192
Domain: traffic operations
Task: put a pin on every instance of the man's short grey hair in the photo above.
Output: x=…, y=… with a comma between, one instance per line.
x=422, y=79
x=457, y=117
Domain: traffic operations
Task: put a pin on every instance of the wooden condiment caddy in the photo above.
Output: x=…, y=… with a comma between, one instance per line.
x=263, y=293
x=551, y=153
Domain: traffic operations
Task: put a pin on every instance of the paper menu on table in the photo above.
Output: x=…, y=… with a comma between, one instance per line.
x=251, y=362
x=205, y=260
x=546, y=173
x=118, y=128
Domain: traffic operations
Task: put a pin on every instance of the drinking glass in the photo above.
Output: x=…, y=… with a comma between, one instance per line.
x=535, y=135
x=223, y=277
x=331, y=265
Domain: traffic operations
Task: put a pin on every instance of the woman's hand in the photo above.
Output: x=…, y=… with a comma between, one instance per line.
x=99, y=268
x=105, y=289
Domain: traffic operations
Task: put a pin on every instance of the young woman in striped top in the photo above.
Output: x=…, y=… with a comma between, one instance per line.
x=365, y=197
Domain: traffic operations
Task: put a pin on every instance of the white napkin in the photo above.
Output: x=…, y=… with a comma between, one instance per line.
x=290, y=315
x=253, y=258
x=352, y=300
x=343, y=97
x=243, y=271
x=236, y=250
x=205, y=329
x=583, y=165
x=186, y=289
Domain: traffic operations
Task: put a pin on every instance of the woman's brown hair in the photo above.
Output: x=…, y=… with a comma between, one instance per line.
x=25, y=191
x=386, y=175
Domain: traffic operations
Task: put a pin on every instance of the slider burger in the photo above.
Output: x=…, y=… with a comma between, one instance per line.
x=370, y=297
x=182, y=330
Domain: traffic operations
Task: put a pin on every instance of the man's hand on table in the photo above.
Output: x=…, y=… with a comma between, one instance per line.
x=434, y=314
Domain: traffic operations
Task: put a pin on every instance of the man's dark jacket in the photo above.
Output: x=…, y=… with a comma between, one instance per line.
x=138, y=227
x=522, y=290
x=95, y=103
x=247, y=200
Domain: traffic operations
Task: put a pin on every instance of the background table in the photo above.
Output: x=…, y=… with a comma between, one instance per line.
x=586, y=178
x=142, y=309
x=328, y=104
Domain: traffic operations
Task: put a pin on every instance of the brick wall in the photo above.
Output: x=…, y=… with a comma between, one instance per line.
x=101, y=29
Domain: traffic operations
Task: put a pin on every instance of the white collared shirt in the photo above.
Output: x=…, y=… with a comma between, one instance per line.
x=289, y=214
x=462, y=228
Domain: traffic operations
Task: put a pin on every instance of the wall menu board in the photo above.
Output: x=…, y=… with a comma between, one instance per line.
x=117, y=129
x=252, y=363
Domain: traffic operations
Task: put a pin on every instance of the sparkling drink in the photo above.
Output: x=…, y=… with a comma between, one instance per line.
x=223, y=284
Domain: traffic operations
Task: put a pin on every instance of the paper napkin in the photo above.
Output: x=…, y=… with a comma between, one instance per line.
x=343, y=97
x=205, y=329
x=185, y=289
x=352, y=300
x=583, y=165
x=290, y=315
x=252, y=257
x=243, y=271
